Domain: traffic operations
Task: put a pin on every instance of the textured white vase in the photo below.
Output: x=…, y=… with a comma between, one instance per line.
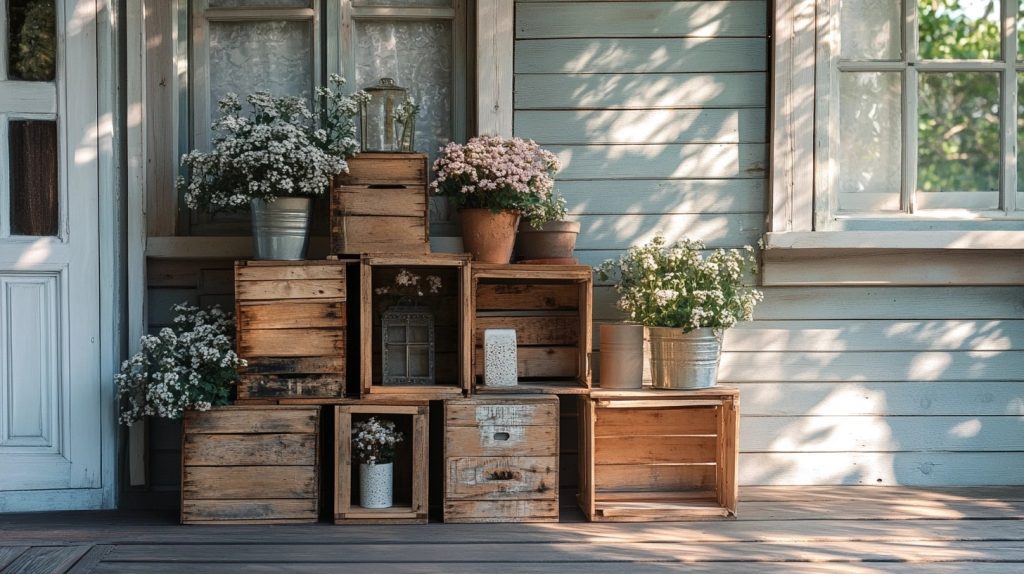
x=376, y=485
x=500, y=369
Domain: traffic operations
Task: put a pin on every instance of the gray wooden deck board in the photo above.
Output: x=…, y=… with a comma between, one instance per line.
x=855, y=530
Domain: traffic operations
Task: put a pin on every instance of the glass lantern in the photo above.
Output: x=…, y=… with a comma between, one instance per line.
x=407, y=346
x=383, y=126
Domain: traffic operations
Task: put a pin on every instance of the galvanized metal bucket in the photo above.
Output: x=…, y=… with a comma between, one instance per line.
x=280, y=229
x=684, y=360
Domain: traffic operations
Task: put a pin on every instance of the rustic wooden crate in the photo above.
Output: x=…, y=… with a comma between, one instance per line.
x=501, y=459
x=291, y=318
x=659, y=455
x=412, y=462
x=452, y=322
x=381, y=205
x=550, y=307
x=250, y=465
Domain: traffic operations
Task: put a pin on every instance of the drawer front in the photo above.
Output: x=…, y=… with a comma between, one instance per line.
x=507, y=413
x=500, y=478
x=501, y=440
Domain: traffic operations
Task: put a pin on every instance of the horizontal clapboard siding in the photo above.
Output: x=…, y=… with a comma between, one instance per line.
x=632, y=91
x=630, y=19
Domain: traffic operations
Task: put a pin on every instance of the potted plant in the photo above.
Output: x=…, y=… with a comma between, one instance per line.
x=189, y=366
x=686, y=300
x=373, y=442
x=274, y=158
x=548, y=238
x=493, y=181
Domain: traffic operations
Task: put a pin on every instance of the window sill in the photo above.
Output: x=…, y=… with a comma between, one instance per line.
x=895, y=258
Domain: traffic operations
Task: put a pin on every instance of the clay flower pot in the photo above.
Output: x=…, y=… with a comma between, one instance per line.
x=554, y=240
x=489, y=236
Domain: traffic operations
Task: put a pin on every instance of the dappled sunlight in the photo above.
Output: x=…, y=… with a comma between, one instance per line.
x=929, y=366
x=35, y=254
x=966, y=429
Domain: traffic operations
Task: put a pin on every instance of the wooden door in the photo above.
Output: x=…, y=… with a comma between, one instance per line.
x=50, y=379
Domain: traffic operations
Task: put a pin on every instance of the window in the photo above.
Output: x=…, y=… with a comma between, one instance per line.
x=918, y=113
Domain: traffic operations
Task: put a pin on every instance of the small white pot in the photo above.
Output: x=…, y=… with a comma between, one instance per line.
x=376, y=485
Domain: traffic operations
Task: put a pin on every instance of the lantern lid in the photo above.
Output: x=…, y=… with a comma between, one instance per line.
x=385, y=85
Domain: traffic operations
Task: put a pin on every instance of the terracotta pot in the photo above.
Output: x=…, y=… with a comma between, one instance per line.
x=554, y=240
x=487, y=235
x=622, y=356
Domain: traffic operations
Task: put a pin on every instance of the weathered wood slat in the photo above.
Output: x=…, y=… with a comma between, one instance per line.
x=384, y=230
x=648, y=478
x=9, y=553
x=523, y=297
x=240, y=419
x=293, y=271
x=503, y=477
x=501, y=440
x=897, y=366
x=501, y=511
x=249, y=449
x=657, y=422
x=668, y=161
x=539, y=362
x=548, y=330
x=384, y=169
x=45, y=559
x=291, y=342
x=293, y=365
x=248, y=482
x=391, y=201
x=661, y=196
x=615, y=55
x=289, y=315
x=638, y=19
x=667, y=449
x=297, y=289
x=291, y=386
x=661, y=126
x=525, y=411
x=267, y=511
x=640, y=91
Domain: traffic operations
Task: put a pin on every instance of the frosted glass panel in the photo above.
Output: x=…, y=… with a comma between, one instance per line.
x=418, y=55
x=965, y=30
x=870, y=143
x=259, y=3
x=250, y=56
x=871, y=29
x=405, y=3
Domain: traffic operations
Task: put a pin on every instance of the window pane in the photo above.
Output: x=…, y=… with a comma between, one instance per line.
x=870, y=141
x=259, y=3
x=248, y=56
x=418, y=55
x=958, y=139
x=33, y=179
x=872, y=30
x=31, y=40
x=958, y=29
x=1020, y=141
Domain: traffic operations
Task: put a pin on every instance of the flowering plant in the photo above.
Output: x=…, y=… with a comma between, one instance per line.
x=191, y=365
x=409, y=284
x=374, y=440
x=276, y=149
x=664, y=285
x=500, y=174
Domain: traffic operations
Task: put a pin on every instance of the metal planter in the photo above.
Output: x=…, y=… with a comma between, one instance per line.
x=684, y=360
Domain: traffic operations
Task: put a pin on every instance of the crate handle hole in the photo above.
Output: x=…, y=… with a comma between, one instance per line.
x=501, y=436
x=385, y=186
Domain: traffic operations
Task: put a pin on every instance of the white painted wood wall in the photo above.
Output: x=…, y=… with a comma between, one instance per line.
x=658, y=111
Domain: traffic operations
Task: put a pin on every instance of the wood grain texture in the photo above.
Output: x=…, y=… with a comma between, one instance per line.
x=539, y=362
x=531, y=331
x=289, y=315
x=45, y=559
x=660, y=196
x=492, y=511
x=248, y=482
x=658, y=422
x=525, y=297
x=647, y=478
x=504, y=477
x=239, y=419
x=665, y=449
x=249, y=449
x=502, y=440
x=302, y=342
x=375, y=168
x=523, y=411
x=268, y=511
x=291, y=386
x=298, y=289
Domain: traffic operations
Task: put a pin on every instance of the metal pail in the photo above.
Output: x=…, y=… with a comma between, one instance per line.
x=280, y=229
x=684, y=360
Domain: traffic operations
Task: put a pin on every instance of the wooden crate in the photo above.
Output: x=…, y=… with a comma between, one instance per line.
x=550, y=307
x=653, y=455
x=381, y=205
x=291, y=318
x=249, y=464
x=501, y=459
x=412, y=462
x=452, y=320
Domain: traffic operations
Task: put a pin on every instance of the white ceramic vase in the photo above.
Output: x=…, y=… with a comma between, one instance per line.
x=376, y=485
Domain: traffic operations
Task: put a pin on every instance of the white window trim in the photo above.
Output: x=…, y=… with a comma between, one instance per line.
x=792, y=221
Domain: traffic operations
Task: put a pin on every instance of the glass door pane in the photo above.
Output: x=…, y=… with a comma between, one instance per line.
x=31, y=39
x=34, y=204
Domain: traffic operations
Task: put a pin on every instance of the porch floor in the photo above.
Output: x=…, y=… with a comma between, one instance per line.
x=780, y=529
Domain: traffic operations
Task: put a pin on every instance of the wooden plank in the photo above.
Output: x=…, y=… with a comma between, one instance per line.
x=382, y=230
x=291, y=342
x=647, y=478
x=268, y=511
x=525, y=411
x=889, y=303
x=46, y=559
x=497, y=478
x=289, y=271
x=376, y=168
x=727, y=457
x=161, y=93
x=91, y=559
x=668, y=161
x=472, y=511
x=634, y=55
x=394, y=201
x=657, y=19
x=298, y=289
x=656, y=422
x=525, y=297
x=897, y=366
x=249, y=449
x=501, y=440
x=982, y=495
x=673, y=449
x=495, y=67
x=539, y=362
x=545, y=330
x=291, y=315
x=660, y=126
x=238, y=419
x=660, y=196
x=9, y=553
x=632, y=91
x=730, y=230
x=291, y=386
x=248, y=482
x=294, y=365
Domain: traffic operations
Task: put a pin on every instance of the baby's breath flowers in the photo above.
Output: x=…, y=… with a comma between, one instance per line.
x=501, y=174
x=664, y=285
x=191, y=365
x=275, y=149
x=374, y=440
x=408, y=284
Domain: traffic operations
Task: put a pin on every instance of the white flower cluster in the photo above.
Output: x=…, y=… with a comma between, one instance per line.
x=499, y=173
x=408, y=284
x=190, y=366
x=675, y=286
x=274, y=150
x=374, y=440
